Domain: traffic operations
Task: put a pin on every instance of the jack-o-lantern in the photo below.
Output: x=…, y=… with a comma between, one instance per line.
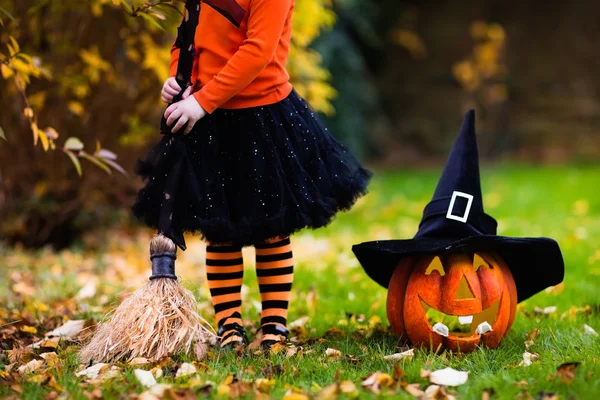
x=454, y=301
x=456, y=284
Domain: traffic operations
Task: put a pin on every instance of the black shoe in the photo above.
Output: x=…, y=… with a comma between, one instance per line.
x=272, y=329
x=232, y=330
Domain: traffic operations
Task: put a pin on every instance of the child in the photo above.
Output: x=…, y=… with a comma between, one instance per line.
x=261, y=165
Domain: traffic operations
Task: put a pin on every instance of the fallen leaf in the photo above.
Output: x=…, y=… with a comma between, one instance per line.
x=94, y=371
x=408, y=354
x=589, y=330
x=333, y=354
x=88, y=290
x=329, y=392
x=68, y=330
x=145, y=378
x=24, y=289
x=376, y=381
x=528, y=359
x=438, y=392
x=448, y=377
x=46, y=343
x=51, y=359
x=28, y=329
x=291, y=395
x=291, y=351
x=414, y=389
x=264, y=385
x=398, y=373
x=566, y=372
x=277, y=348
x=185, y=370
x=139, y=361
x=349, y=389
x=30, y=367
x=531, y=336
x=200, y=350
x=157, y=391
x=545, y=310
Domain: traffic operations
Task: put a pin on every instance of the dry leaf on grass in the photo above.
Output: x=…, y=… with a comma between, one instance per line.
x=378, y=380
x=185, y=370
x=545, y=310
x=68, y=330
x=414, y=389
x=30, y=367
x=448, y=377
x=333, y=354
x=200, y=350
x=139, y=361
x=88, y=290
x=329, y=392
x=294, y=395
x=566, y=372
x=589, y=330
x=408, y=354
x=145, y=378
x=531, y=336
x=94, y=371
x=264, y=385
x=349, y=389
x=528, y=359
x=438, y=393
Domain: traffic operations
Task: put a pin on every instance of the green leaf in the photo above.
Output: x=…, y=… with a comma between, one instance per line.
x=2, y=135
x=152, y=21
x=75, y=161
x=96, y=161
x=127, y=6
x=74, y=144
x=158, y=14
x=173, y=7
x=9, y=15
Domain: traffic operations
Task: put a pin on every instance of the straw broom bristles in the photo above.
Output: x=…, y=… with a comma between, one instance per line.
x=159, y=319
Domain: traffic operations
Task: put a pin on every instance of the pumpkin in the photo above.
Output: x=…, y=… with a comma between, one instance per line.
x=475, y=291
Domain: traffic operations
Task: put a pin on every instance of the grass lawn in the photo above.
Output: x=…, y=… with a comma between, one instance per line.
x=346, y=311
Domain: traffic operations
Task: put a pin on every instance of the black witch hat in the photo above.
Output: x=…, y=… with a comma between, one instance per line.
x=455, y=222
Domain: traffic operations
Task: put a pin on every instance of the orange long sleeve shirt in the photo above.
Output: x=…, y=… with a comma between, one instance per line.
x=245, y=66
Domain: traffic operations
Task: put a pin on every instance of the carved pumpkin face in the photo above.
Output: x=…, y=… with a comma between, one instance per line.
x=454, y=301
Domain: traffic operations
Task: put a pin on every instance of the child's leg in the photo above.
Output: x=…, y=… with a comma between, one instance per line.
x=275, y=272
x=225, y=273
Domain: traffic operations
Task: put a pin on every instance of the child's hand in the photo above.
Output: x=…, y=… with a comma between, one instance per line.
x=171, y=89
x=188, y=110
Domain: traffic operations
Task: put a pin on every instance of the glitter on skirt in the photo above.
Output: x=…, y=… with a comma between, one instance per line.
x=246, y=175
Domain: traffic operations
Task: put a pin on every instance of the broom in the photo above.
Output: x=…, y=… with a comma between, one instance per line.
x=157, y=320
x=161, y=317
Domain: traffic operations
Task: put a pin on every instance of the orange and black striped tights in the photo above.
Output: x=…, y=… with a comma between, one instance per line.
x=275, y=273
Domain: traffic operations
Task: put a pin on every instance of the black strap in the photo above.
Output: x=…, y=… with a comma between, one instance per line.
x=273, y=329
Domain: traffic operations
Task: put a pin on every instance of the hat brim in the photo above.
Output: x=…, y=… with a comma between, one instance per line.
x=535, y=263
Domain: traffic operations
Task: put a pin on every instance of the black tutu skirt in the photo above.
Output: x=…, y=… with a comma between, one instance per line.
x=246, y=175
